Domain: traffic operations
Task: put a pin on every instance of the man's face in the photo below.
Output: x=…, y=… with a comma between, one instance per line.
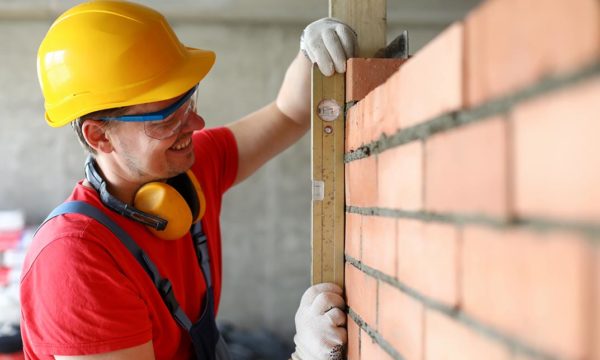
x=139, y=157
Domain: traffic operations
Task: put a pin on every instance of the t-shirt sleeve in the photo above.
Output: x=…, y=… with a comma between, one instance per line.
x=216, y=157
x=104, y=313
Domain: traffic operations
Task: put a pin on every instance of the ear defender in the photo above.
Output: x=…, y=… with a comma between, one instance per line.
x=168, y=208
x=180, y=201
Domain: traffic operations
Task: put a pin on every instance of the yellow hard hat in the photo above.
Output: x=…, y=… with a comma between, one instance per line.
x=108, y=53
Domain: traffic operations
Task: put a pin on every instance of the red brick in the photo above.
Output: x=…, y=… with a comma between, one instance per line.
x=364, y=121
x=428, y=259
x=361, y=182
x=449, y=340
x=370, y=118
x=375, y=109
x=557, y=155
x=430, y=83
x=400, y=321
x=400, y=177
x=466, y=169
x=390, y=123
x=361, y=291
x=354, y=334
x=364, y=75
x=533, y=286
x=385, y=124
x=354, y=128
x=352, y=239
x=370, y=350
x=513, y=43
x=379, y=244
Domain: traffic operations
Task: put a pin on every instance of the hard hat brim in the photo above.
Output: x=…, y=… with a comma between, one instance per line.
x=196, y=63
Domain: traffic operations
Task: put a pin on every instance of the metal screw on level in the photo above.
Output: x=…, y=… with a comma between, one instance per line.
x=328, y=110
x=328, y=129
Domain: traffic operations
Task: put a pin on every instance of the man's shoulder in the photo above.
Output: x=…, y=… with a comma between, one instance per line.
x=216, y=155
x=67, y=237
x=71, y=225
x=213, y=137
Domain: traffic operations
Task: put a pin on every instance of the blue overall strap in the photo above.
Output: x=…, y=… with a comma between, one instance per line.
x=201, y=244
x=163, y=285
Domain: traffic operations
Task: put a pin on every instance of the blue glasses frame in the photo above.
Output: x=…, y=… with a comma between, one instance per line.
x=154, y=116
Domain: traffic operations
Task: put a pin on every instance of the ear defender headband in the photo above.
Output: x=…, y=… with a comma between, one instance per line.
x=168, y=208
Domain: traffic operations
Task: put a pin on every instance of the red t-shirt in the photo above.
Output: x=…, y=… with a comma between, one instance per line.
x=82, y=292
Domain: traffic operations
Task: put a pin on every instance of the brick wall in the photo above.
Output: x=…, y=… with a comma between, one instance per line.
x=473, y=190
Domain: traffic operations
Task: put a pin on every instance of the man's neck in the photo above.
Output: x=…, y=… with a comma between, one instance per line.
x=116, y=184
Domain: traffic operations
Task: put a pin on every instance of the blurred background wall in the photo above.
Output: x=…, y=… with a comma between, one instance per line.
x=266, y=220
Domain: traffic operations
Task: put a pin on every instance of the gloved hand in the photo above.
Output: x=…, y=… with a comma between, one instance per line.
x=320, y=324
x=328, y=43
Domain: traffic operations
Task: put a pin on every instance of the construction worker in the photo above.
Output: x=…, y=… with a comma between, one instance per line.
x=115, y=272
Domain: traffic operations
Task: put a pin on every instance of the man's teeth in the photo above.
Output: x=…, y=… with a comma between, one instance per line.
x=182, y=145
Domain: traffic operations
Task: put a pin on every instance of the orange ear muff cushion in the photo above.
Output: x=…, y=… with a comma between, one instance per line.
x=199, y=193
x=163, y=200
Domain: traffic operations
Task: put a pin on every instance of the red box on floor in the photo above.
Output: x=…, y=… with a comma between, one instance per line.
x=4, y=276
x=10, y=239
x=14, y=356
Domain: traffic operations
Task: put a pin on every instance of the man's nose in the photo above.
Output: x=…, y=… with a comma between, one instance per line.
x=193, y=122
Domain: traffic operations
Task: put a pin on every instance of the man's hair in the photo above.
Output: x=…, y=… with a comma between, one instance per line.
x=77, y=125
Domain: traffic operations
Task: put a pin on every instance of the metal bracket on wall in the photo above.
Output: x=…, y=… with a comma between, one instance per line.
x=396, y=49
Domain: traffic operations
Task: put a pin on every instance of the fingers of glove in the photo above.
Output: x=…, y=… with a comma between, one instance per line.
x=317, y=52
x=320, y=55
x=311, y=293
x=341, y=335
x=336, y=336
x=330, y=335
x=337, y=339
x=348, y=39
x=337, y=316
x=307, y=348
x=335, y=49
x=323, y=60
x=328, y=42
x=306, y=50
x=326, y=301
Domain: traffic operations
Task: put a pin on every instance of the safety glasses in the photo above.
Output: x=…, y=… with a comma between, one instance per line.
x=166, y=122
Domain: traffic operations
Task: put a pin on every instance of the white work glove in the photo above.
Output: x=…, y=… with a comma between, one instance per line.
x=328, y=43
x=321, y=324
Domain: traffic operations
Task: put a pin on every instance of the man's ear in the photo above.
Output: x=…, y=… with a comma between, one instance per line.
x=94, y=132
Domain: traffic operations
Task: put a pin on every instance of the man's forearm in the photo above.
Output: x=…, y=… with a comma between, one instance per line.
x=293, y=99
